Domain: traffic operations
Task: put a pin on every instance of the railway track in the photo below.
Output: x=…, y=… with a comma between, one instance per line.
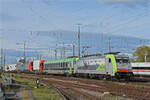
x=66, y=92
x=120, y=90
x=65, y=95
x=70, y=93
x=114, y=88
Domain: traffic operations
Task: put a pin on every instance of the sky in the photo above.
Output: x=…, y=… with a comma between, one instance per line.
x=20, y=19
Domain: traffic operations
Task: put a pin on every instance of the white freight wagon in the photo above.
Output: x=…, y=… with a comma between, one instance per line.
x=36, y=64
x=10, y=67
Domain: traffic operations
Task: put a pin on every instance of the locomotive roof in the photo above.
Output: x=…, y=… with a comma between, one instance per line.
x=115, y=53
x=91, y=55
x=121, y=55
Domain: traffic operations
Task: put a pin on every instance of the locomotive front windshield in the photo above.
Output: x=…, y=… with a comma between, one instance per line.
x=122, y=60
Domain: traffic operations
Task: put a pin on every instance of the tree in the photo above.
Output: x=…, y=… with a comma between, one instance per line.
x=132, y=60
x=142, y=54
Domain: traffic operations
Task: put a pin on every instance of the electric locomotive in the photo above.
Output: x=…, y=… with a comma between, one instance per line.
x=104, y=66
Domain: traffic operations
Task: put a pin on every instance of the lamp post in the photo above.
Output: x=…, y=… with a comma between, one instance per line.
x=1, y=58
x=79, y=40
x=1, y=53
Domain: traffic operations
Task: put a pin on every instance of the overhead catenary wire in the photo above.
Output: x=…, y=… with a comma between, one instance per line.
x=133, y=19
x=128, y=18
x=36, y=14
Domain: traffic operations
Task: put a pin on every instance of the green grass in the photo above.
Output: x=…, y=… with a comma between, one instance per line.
x=41, y=93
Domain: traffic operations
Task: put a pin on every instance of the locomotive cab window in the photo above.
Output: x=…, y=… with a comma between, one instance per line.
x=109, y=60
x=122, y=61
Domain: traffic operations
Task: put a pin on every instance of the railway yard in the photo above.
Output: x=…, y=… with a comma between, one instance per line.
x=74, y=50
x=72, y=88
x=93, y=77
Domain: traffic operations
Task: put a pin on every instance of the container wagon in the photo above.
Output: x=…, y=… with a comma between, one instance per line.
x=38, y=65
x=10, y=67
x=30, y=65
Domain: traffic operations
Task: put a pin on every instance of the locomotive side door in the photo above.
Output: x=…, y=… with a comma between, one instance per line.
x=70, y=67
x=109, y=66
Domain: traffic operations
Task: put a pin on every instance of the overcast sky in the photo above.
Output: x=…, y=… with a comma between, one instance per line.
x=120, y=17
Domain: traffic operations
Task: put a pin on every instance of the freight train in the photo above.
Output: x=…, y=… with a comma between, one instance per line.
x=111, y=65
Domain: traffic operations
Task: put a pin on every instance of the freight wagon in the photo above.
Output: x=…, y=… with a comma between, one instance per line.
x=38, y=65
x=30, y=66
x=10, y=67
x=25, y=67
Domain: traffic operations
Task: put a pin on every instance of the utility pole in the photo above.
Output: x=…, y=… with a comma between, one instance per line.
x=40, y=56
x=1, y=58
x=102, y=42
x=79, y=40
x=63, y=51
x=73, y=50
x=24, y=52
x=145, y=58
x=4, y=62
x=61, y=55
x=55, y=53
x=109, y=44
x=24, y=49
x=144, y=42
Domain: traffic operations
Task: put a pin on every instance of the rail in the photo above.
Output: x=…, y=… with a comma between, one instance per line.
x=65, y=95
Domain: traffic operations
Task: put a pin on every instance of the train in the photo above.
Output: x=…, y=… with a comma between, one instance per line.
x=141, y=68
x=107, y=66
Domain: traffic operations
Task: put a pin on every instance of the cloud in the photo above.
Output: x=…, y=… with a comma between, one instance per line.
x=125, y=1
